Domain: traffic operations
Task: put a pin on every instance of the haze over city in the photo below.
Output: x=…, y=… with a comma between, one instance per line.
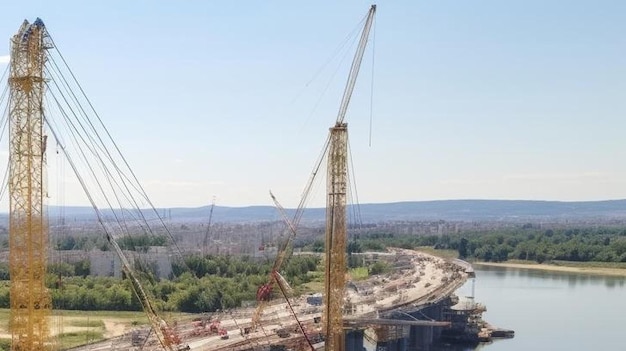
x=489, y=100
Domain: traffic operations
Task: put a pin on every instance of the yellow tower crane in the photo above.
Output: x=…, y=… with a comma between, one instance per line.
x=336, y=188
x=28, y=236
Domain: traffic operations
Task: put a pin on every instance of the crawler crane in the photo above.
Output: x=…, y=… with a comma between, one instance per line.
x=28, y=239
x=275, y=278
x=168, y=337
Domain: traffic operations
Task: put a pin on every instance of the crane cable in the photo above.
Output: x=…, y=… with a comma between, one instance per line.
x=372, y=82
x=330, y=81
x=341, y=46
x=132, y=173
x=97, y=145
x=4, y=121
x=356, y=206
x=5, y=178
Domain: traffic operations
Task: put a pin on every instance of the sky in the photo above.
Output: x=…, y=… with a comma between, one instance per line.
x=484, y=99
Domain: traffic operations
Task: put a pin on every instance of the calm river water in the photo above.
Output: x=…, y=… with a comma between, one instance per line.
x=552, y=310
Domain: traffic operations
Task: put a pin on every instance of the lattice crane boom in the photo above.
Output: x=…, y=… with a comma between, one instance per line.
x=280, y=281
x=205, y=242
x=356, y=66
x=28, y=234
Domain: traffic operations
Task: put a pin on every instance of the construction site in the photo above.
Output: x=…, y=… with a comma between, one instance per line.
x=413, y=307
x=377, y=312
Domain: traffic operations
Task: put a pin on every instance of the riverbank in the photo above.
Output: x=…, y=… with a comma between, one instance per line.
x=561, y=267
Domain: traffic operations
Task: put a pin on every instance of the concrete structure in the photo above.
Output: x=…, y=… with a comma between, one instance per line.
x=108, y=264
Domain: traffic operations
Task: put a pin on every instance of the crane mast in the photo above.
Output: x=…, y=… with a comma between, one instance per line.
x=336, y=220
x=335, y=260
x=28, y=234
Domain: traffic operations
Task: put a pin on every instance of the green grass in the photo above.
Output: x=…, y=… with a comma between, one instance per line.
x=359, y=273
x=4, y=320
x=5, y=344
x=68, y=340
x=312, y=287
x=86, y=323
x=91, y=320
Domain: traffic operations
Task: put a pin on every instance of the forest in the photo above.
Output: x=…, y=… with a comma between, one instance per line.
x=526, y=242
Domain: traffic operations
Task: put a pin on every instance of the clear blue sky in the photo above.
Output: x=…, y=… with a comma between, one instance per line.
x=491, y=99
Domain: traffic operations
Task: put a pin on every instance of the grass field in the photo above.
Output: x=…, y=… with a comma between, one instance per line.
x=73, y=328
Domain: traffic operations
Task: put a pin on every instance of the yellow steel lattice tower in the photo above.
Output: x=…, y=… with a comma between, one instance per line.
x=336, y=220
x=28, y=235
x=335, y=265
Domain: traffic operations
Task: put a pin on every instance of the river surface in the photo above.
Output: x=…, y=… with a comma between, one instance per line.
x=552, y=310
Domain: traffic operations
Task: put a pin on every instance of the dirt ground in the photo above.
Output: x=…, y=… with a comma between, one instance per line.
x=110, y=324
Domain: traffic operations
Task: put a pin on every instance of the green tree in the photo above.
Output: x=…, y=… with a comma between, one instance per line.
x=463, y=248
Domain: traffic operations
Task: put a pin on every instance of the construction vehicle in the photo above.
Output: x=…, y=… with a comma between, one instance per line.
x=216, y=328
x=204, y=327
x=264, y=292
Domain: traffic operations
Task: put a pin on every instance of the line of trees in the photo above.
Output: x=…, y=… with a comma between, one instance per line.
x=201, y=284
x=524, y=243
x=582, y=245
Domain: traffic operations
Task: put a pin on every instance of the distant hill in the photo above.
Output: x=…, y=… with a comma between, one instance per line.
x=458, y=210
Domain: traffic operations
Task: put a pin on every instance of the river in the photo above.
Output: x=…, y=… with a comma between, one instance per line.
x=552, y=310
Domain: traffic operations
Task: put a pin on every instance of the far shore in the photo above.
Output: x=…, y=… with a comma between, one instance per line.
x=557, y=268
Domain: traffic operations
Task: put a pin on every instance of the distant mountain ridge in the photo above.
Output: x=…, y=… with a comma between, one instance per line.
x=458, y=210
